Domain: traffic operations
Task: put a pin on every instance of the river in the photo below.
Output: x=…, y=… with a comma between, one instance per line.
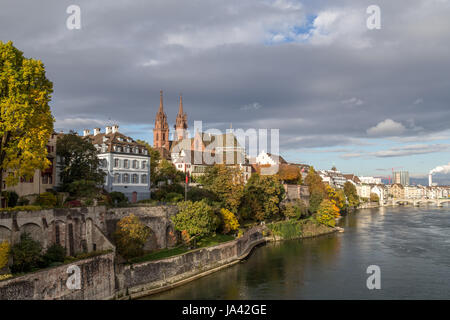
x=410, y=245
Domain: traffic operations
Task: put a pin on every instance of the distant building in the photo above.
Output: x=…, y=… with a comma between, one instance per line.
x=397, y=191
x=401, y=177
x=126, y=162
x=265, y=158
x=41, y=181
x=370, y=180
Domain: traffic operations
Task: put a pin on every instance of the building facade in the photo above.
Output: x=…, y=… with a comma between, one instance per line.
x=126, y=163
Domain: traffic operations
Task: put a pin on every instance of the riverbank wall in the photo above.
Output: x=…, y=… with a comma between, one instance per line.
x=142, y=279
x=96, y=276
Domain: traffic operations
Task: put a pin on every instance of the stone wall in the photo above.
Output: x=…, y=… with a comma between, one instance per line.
x=77, y=229
x=97, y=282
x=157, y=219
x=140, y=279
x=294, y=192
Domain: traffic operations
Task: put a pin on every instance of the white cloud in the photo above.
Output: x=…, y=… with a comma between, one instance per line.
x=353, y=102
x=387, y=128
x=410, y=150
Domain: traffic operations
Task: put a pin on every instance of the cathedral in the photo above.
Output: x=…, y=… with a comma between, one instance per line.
x=161, y=140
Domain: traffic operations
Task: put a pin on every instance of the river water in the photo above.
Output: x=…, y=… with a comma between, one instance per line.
x=410, y=245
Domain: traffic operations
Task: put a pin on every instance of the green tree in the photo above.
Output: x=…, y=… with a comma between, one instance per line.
x=26, y=254
x=130, y=236
x=295, y=210
x=227, y=183
x=166, y=171
x=155, y=157
x=79, y=161
x=351, y=194
x=26, y=122
x=263, y=194
x=196, y=219
x=374, y=197
x=317, y=190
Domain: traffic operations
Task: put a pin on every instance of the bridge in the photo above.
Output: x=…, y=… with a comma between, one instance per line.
x=418, y=202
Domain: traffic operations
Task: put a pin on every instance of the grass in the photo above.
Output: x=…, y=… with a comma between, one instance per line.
x=167, y=253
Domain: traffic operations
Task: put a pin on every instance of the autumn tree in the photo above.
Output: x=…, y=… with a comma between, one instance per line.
x=79, y=161
x=4, y=254
x=166, y=172
x=351, y=194
x=317, y=190
x=154, y=159
x=374, y=197
x=26, y=122
x=290, y=174
x=337, y=197
x=229, y=221
x=130, y=236
x=327, y=213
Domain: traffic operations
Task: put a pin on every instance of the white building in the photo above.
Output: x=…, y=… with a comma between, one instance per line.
x=370, y=180
x=126, y=163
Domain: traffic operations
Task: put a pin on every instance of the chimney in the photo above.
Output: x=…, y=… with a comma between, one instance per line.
x=108, y=130
x=430, y=180
x=96, y=131
x=115, y=128
x=86, y=132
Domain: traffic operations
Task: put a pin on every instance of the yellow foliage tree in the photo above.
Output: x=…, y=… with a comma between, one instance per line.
x=4, y=253
x=230, y=222
x=26, y=122
x=327, y=213
x=130, y=236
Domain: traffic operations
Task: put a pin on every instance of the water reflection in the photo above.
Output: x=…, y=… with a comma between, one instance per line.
x=411, y=245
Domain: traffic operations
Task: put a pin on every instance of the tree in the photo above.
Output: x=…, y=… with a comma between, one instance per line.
x=195, y=219
x=166, y=171
x=337, y=197
x=130, y=236
x=295, y=210
x=227, y=184
x=351, y=194
x=317, y=190
x=4, y=254
x=263, y=194
x=26, y=122
x=374, y=198
x=230, y=222
x=154, y=159
x=290, y=174
x=26, y=254
x=79, y=161
x=327, y=213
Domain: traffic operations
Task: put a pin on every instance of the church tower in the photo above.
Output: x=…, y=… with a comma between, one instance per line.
x=161, y=130
x=181, y=123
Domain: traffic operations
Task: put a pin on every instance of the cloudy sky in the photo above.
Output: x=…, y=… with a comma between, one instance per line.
x=341, y=94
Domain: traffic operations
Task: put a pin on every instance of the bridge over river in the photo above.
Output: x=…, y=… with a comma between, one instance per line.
x=418, y=202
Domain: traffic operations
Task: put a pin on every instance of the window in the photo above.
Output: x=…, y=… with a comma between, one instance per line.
x=125, y=178
x=47, y=178
x=116, y=178
x=144, y=164
x=116, y=163
x=135, y=164
x=126, y=164
x=135, y=178
x=144, y=178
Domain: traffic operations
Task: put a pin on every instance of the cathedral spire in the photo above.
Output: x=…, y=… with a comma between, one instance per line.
x=180, y=110
x=161, y=106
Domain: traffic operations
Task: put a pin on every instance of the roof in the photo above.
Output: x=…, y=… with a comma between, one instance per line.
x=116, y=139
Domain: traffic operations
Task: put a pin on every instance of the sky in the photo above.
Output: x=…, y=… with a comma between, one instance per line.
x=365, y=101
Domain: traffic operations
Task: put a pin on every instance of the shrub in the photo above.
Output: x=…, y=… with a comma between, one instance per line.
x=163, y=191
x=23, y=208
x=23, y=201
x=5, y=276
x=229, y=221
x=289, y=229
x=173, y=197
x=130, y=236
x=295, y=210
x=5, y=249
x=46, y=199
x=118, y=198
x=198, y=194
x=54, y=253
x=26, y=254
x=73, y=204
